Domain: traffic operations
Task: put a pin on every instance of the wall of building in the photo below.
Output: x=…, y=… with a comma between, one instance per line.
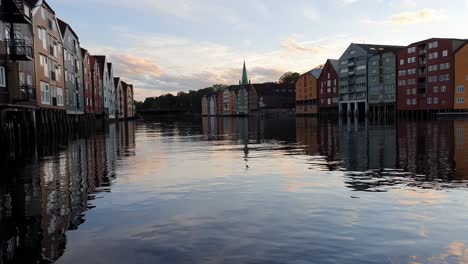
x=382, y=79
x=306, y=94
x=73, y=73
x=461, y=79
x=328, y=94
x=87, y=83
x=422, y=84
x=353, y=77
x=47, y=39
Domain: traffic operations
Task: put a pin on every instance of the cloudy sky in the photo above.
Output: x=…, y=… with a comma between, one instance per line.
x=166, y=46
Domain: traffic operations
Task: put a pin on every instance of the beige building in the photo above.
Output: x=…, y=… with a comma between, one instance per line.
x=48, y=58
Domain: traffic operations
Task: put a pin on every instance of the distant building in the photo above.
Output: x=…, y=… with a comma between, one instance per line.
x=461, y=78
x=219, y=101
x=204, y=105
x=129, y=108
x=306, y=93
x=72, y=60
x=111, y=92
x=87, y=82
x=17, y=76
x=275, y=96
x=354, y=76
x=119, y=99
x=212, y=105
x=328, y=95
x=426, y=75
x=97, y=91
x=243, y=100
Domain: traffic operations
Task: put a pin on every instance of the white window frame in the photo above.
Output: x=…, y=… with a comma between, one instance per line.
x=45, y=93
x=2, y=77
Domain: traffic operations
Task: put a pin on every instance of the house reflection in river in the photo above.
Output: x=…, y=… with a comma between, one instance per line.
x=461, y=149
x=382, y=145
x=353, y=144
x=36, y=212
x=426, y=148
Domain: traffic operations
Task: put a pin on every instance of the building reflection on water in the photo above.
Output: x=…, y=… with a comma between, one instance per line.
x=45, y=191
x=373, y=154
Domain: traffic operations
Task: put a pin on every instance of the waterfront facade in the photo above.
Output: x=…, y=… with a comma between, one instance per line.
x=129, y=102
x=17, y=77
x=461, y=78
x=306, y=92
x=354, y=76
x=72, y=62
x=87, y=82
x=48, y=54
x=382, y=83
x=110, y=92
x=242, y=102
x=119, y=99
x=96, y=82
x=425, y=75
x=204, y=104
x=328, y=96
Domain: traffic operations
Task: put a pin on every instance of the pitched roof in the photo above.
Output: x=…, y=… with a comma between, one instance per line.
x=376, y=48
x=335, y=64
x=64, y=26
x=101, y=60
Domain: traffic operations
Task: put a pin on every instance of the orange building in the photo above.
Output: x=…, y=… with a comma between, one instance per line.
x=306, y=93
x=461, y=78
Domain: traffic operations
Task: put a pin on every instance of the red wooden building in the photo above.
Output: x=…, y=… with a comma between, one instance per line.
x=425, y=75
x=328, y=90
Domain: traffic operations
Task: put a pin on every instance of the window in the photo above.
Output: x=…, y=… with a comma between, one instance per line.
x=408, y=101
x=45, y=93
x=411, y=59
x=413, y=101
x=444, y=66
x=408, y=91
x=444, y=77
x=429, y=100
x=443, y=88
x=43, y=13
x=460, y=100
x=460, y=89
x=445, y=53
x=328, y=75
x=432, y=79
x=2, y=77
x=412, y=50
x=436, y=89
x=361, y=67
x=434, y=44
x=433, y=55
x=46, y=66
x=436, y=100
x=402, y=62
x=59, y=96
x=414, y=90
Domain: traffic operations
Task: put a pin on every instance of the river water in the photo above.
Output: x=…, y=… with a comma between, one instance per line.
x=240, y=191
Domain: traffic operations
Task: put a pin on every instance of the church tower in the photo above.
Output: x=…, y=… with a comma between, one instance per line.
x=245, y=79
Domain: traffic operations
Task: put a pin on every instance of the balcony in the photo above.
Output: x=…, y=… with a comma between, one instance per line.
x=351, y=64
x=20, y=50
x=422, y=74
x=351, y=73
x=422, y=62
x=27, y=93
x=422, y=52
x=17, y=11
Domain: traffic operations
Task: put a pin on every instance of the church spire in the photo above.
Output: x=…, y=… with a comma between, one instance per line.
x=245, y=80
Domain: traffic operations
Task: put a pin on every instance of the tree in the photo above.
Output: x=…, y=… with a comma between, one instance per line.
x=289, y=78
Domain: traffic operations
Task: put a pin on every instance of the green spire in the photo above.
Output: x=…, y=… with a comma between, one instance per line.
x=245, y=80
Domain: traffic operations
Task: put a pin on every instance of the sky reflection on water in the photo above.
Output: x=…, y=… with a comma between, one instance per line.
x=241, y=191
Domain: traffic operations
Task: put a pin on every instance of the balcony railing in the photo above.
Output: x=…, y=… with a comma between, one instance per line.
x=422, y=62
x=20, y=49
x=27, y=93
x=422, y=52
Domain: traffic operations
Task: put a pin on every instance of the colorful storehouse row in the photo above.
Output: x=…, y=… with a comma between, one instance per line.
x=42, y=66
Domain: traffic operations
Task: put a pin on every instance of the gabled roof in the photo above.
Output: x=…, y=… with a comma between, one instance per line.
x=314, y=72
x=84, y=52
x=109, y=68
x=34, y=3
x=461, y=46
x=101, y=60
x=335, y=64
